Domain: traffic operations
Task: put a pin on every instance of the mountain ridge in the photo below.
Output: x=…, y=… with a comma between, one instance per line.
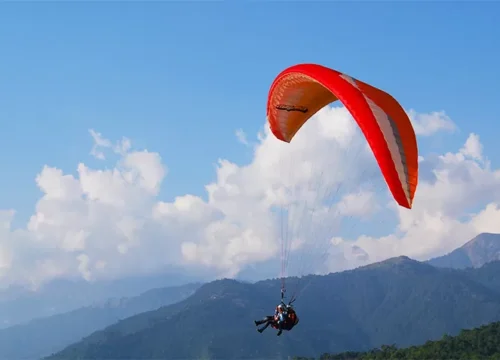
x=400, y=301
x=19, y=304
x=478, y=251
x=41, y=337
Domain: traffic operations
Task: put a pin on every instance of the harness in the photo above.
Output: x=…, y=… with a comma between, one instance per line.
x=291, y=318
x=290, y=321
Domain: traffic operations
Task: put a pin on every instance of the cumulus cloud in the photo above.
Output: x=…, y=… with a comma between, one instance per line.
x=321, y=197
x=430, y=123
x=443, y=216
x=361, y=204
x=473, y=148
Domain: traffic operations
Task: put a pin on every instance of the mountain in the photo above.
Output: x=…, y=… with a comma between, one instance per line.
x=482, y=249
x=399, y=301
x=488, y=274
x=43, y=336
x=478, y=343
x=19, y=305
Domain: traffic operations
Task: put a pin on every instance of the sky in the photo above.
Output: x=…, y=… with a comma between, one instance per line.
x=134, y=135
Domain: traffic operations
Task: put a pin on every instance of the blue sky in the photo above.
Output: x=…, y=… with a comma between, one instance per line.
x=180, y=78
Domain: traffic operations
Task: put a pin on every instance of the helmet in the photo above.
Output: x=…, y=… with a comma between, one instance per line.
x=280, y=308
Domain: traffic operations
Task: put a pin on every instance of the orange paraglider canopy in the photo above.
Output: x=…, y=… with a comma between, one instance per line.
x=300, y=91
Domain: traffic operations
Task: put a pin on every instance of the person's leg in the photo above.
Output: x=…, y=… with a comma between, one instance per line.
x=280, y=328
x=260, y=322
x=264, y=327
x=267, y=320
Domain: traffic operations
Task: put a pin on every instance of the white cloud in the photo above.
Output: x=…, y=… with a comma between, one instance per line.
x=121, y=147
x=99, y=142
x=241, y=136
x=83, y=266
x=359, y=204
x=488, y=220
x=443, y=216
x=324, y=189
x=473, y=147
x=431, y=123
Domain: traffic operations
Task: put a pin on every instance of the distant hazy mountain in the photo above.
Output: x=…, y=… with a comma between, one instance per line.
x=483, y=249
x=399, y=301
x=19, y=305
x=43, y=336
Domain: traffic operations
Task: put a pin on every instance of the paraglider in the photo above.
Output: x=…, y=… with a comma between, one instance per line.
x=300, y=91
x=284, y=318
